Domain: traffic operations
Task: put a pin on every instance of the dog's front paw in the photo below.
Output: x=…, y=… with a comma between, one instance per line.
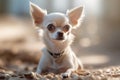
x=64, y=75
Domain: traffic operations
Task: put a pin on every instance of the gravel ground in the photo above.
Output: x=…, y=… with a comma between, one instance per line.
x=112, y=73
x=18, y=67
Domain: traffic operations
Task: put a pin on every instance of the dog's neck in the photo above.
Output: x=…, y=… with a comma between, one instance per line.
x=55, y=46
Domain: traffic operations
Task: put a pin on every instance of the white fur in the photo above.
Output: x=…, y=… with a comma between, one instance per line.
x=68, y=62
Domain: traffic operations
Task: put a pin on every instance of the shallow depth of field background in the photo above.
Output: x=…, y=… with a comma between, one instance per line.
x=97, y=41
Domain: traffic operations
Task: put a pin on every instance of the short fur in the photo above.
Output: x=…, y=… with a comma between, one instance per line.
x=56, y=43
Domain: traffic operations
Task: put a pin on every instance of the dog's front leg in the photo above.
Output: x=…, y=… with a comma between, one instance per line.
x=39, y=71
x=42, y=65
x=67, y=73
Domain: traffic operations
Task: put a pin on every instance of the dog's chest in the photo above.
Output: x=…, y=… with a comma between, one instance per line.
x=58, y=48
x=55, y=47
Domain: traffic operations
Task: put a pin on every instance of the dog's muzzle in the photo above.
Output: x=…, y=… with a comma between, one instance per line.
x=60, y=36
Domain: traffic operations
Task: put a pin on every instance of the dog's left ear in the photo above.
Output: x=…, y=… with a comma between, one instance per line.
x=75, y=15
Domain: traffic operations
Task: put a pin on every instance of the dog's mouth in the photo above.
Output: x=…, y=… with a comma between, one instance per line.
x=60, y=38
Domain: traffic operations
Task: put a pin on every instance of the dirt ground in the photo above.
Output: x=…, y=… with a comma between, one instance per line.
x=20, y=53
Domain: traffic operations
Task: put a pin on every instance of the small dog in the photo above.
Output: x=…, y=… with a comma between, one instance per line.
x=58, y=56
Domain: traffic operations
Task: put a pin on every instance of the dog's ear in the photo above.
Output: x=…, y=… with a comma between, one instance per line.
x=75, y=15
x=37, y=13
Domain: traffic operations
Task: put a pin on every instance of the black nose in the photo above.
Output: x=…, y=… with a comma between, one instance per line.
x=60, y=34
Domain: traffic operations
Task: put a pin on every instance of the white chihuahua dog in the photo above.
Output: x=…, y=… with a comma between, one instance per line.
x=58, y=56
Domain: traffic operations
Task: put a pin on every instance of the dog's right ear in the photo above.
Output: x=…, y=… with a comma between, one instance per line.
x=37, y=14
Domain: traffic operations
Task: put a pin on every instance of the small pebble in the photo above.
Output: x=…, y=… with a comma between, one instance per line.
x=2, y=77
x=75, y=76
x=29, y=75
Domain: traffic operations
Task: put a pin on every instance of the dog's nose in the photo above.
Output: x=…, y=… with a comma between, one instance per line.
x=60, y=34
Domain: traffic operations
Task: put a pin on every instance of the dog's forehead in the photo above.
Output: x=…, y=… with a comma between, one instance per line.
x=58, y=18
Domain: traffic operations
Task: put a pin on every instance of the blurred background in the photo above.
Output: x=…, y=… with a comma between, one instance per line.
x=97, y=41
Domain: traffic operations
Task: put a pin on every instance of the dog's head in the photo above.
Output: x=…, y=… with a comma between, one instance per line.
x=57, y=26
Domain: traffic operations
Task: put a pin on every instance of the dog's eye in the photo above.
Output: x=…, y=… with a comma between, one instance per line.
x=51, y=27
x=66, y=28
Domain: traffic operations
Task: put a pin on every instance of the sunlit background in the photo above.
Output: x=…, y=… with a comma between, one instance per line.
x=97, y=41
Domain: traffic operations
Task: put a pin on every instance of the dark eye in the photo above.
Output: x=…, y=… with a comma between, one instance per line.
x=66, y=28
x=51, y=27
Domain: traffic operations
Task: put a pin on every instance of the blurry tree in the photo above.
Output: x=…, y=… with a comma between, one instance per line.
x=109, y=24
x=14, y=7
x=3, y=6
